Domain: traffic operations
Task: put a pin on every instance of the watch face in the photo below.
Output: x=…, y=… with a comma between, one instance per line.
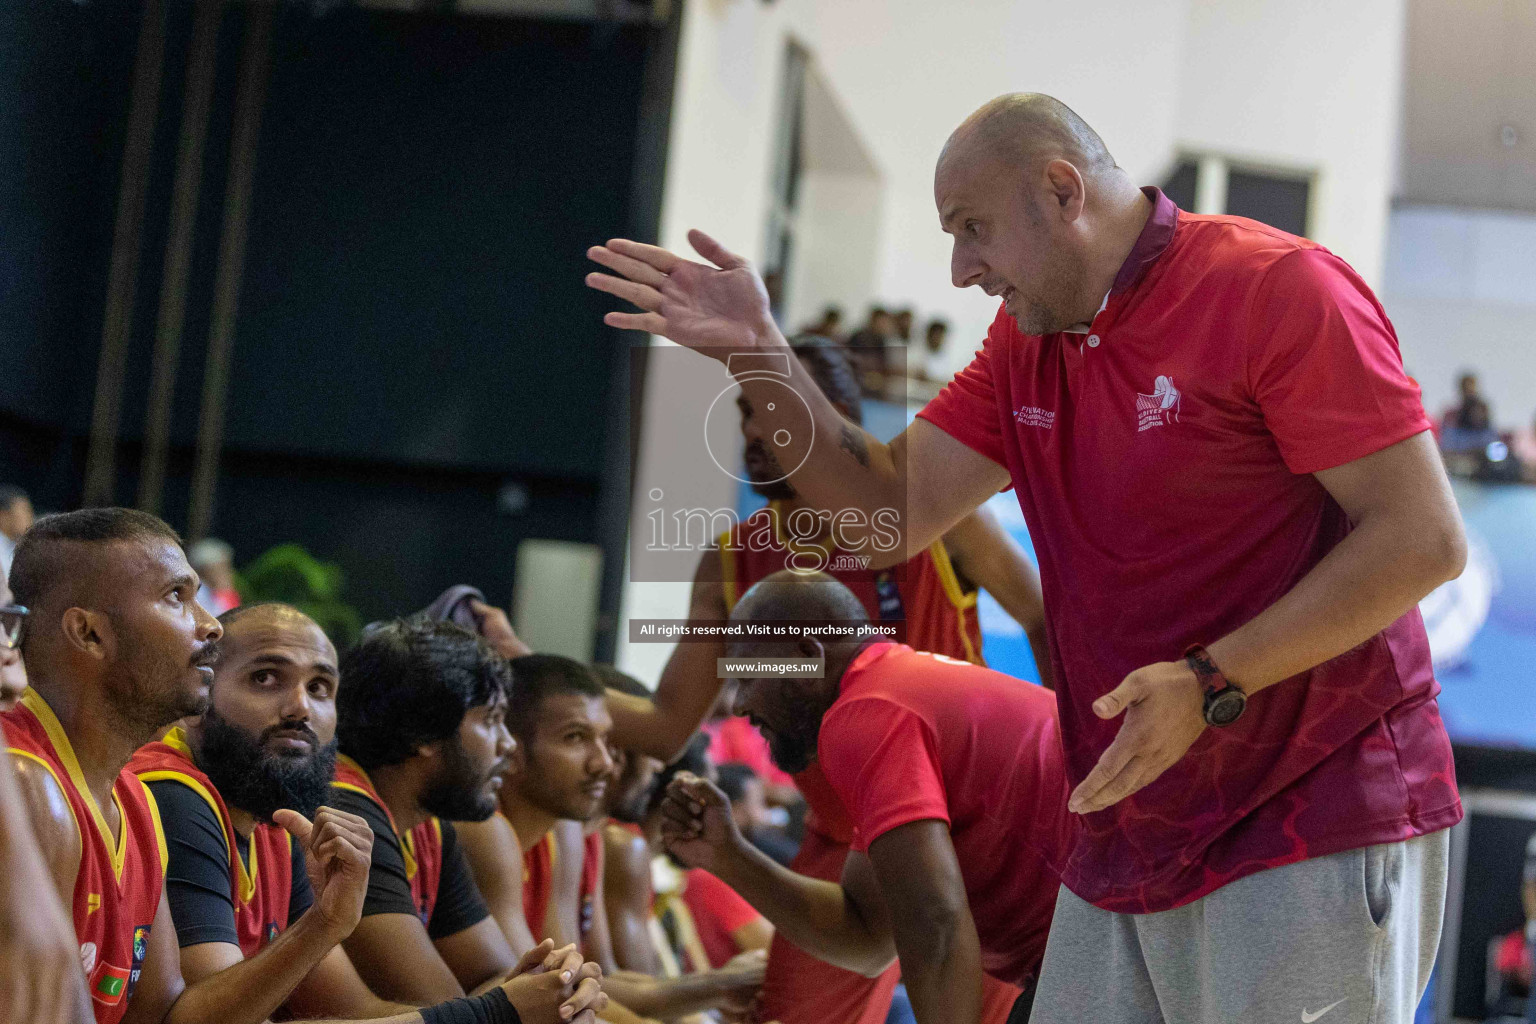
x=1225, y=707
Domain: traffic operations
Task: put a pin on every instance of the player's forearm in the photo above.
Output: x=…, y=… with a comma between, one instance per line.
x=662, y=725
x=1369, y=580
x=667, y=997
x=815, y=915
x=940, y=962
x=250, y=991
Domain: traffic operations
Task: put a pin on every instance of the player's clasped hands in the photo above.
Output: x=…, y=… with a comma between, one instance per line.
x=555, y=985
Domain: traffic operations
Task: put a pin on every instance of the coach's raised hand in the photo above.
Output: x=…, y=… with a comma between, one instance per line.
x=712, y=308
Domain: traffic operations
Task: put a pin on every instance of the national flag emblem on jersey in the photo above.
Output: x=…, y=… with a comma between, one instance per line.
x=271, y=931
x=109, y=984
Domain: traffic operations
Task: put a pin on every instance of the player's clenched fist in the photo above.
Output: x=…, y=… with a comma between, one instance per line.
x=338, y=851
x=696, y=822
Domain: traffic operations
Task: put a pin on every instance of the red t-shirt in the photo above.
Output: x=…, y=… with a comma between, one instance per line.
x=1164, y=465
x=915, y=736
x=717, y=911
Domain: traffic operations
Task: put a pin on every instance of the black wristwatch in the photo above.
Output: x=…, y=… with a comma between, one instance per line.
x=1224, y=703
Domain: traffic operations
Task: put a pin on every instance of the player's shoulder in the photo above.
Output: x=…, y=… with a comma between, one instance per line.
x=1221, y=247
x=49, y=809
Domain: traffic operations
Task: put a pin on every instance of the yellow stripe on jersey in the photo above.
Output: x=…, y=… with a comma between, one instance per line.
x=154, y=814
x=66, y=753
x=246, y=872
x=727, y=569
x=407, y=847
x=963, y=601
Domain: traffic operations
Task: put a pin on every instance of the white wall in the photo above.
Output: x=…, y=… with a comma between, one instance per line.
x=1313, y=84
x=837, y=246
x=1461, y=291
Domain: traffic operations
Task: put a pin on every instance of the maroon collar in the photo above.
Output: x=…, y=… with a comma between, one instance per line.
x=1154, y=238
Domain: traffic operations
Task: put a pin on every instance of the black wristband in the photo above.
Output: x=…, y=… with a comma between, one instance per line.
x=492, y=1008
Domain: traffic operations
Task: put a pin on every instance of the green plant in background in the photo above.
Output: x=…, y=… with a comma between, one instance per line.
x=292, y=575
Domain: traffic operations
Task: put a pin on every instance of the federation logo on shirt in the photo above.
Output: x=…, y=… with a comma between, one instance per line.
x=272, y=931
x=1158, y=408
x=140, y=949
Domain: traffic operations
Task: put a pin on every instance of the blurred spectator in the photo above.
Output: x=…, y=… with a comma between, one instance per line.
x=1469, y=426
x=867, y=346
x=214, y=561
x=759, y=823
x=931, y=364
x=830, y=325
x=903, y=322
x=15, y=518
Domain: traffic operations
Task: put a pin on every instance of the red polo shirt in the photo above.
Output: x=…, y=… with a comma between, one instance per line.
x=1164, y=464
x=914, y=736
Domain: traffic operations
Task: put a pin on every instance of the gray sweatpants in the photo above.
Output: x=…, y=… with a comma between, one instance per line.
x=1344, y=939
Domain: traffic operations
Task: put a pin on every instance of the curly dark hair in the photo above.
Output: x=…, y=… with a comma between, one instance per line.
x=410, y=682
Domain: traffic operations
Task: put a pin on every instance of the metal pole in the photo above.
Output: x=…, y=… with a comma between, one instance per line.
x=123, y=271
x=178, y=250
x=254, y=58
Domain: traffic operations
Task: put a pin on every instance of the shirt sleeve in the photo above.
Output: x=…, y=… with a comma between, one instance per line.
x=197, y=885
x=389, y=889
x=459, y=903
x=300, y=895
x=1325, y=366
x=881, y=759
x=967, y=407
x=722, y=902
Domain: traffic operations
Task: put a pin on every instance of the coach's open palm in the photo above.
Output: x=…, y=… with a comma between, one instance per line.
x=338, y=851
x=696, y=822
x=702, y=307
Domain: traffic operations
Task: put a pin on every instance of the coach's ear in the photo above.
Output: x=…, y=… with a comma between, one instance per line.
x=812, y=648
x=88, y=632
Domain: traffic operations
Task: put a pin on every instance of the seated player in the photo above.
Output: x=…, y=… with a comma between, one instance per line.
x=423, y=741
x=117, y=649
x=627, y=849
x=562, y=727
x=235, y=881
x=934, y=594
x=955, y=783
x=725, y=923
x=39, y=964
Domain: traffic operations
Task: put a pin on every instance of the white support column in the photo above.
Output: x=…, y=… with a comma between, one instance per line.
x=1211, y=185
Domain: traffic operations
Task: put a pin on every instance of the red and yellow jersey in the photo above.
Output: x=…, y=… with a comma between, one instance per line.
x=538, y=884
x=261, y=884
x=421, y=847
x=939, y=611
x=118, y=886
x=591, y=876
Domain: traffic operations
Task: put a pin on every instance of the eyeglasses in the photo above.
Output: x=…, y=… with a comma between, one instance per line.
x=12, y=618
